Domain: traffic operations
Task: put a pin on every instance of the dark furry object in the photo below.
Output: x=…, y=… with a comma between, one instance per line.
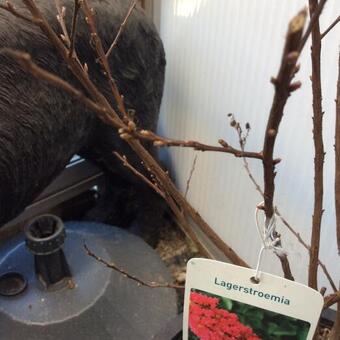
x=41, y=127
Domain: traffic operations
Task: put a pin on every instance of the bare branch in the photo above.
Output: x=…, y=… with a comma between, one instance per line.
x=331, y=26
x=125, y=162
x=283, y=88
x=312, y=22
x=74, y=26
x=61, y=19
x=242, y=142
x=319, y=149
x=102, y=57
x=295, y=42
x=77, y=69
x=9, y=7
x=121, y=28
x=285, y=266
x=126, y=274
x=331, y=299
x=167, y=142
x=193, y=166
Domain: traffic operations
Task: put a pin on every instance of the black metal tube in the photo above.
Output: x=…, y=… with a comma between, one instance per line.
x=45, y=236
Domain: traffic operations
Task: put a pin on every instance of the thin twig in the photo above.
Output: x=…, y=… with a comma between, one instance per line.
x=125, y=162
x=193, y=166
x=337, y=160
x=102, y=58
x=332, y=299
x=61, y=19
x=77, y=69
x=319, y=149
x=9, y=7
x=225, y=147
x=242, y=142
x=121, y=28
x=74, y=26
x=331, y=26
x=312, y=22
x=323, y=291
x=125, y=273
x=251, y=177
x=65, y=37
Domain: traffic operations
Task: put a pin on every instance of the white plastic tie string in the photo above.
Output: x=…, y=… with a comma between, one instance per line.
x=268, y=236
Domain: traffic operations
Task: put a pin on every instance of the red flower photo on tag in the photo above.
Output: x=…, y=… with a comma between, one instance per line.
x=213, y=317
x=208, y=322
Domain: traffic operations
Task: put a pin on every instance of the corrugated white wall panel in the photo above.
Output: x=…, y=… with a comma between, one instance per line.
x=220, y=57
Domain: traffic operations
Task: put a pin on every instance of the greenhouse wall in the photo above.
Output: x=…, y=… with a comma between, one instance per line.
x=221, y=55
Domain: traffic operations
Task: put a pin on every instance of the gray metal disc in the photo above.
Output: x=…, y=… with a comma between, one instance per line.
x=103, y=303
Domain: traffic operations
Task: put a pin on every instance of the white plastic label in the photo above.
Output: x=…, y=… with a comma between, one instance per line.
x=222, y=302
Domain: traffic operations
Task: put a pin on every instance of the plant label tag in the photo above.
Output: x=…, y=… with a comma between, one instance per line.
x=223, y=302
